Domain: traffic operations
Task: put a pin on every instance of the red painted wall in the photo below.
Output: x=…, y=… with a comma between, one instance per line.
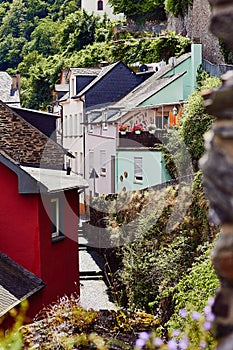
x=25, y=236
x=19, y=228
x=59, y=260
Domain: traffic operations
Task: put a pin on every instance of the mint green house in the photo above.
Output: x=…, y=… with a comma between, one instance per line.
x=185, y=68
x=139, y=168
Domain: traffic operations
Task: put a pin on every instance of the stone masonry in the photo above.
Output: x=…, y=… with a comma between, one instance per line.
x=196, y=26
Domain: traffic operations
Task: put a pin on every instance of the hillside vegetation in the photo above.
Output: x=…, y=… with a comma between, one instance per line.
x=39, y=38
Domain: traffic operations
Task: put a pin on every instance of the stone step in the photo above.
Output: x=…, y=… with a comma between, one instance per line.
x=91, y=275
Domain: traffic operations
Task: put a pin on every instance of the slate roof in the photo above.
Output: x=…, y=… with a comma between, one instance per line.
x=5, y=86
x=25, y=144
x=102, y=73
x=142, y=92
x=16, y=284
x=85, y=71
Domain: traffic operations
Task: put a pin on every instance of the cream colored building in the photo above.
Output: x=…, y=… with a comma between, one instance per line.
x=100, y=7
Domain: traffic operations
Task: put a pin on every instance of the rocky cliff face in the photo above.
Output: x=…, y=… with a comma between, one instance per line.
x=196, y=26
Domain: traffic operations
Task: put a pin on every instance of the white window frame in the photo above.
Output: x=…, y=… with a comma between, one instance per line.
x=55, y=233
x=103, y=169
x=90, y=125
x=105, y=125
x=75, y=125
x=91, y=160
x=70, y=125
x=65, y=126
x=138, y=173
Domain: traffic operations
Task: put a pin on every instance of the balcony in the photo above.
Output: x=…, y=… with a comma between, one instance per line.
x=144, y=138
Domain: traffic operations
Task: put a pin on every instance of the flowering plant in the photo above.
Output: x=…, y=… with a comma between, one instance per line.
x=123, y=127
x=198, y=333
x=137, y=127
x=151, y=127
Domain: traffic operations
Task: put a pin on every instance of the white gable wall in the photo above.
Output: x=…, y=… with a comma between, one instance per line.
x=91, y=6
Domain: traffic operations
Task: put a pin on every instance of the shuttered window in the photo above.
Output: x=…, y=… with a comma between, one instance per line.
x=102, y=162
x=138, y=178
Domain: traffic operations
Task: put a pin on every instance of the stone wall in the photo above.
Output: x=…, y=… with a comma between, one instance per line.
x=196, y=26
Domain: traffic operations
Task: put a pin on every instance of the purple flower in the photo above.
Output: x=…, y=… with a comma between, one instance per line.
x=207, y=310
x=172, y=344
x=183, y=313
x=144, y=335
x=211, y=301
x=207, y=326
x=176, y=333
x=196, y=315
x=202, y=344
x=140, y=343
x=210, y=317
x=158, y=342
x=184, y=342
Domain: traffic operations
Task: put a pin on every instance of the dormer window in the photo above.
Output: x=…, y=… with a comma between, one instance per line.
x=100, y=5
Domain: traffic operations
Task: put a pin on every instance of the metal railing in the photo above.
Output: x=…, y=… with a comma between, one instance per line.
x=216, y=69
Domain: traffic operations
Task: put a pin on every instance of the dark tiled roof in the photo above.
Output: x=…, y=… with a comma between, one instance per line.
x=25, y=144
x=16, y=284
x=103, y=72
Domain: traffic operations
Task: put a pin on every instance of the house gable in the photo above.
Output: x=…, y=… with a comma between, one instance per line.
x=112, y=86
x=44, y=122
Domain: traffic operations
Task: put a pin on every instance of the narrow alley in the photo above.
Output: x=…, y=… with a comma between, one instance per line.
x=93, y=289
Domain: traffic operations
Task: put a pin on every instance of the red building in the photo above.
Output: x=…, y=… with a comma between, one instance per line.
x=38, y=210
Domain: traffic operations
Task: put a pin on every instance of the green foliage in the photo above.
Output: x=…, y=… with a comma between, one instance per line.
x=138, y=10
x=226, y=51
x=199, y=277
x=177, y=7
x=66, y=325
x=43, y=38
x=172, y=45
x=195, y=122
x=157, y=258
x=12, y=339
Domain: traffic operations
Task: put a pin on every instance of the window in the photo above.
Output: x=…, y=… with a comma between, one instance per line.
x=161, y=121
x=90, y=125
x=102, y=162
x=75, y=125
x=100, y=5
x=70, y=125
x=105, y=125
x=55, y=217
x=72, y=88
x=91, y=160
x=80, y=127
x=65, y=126
x=138, y=170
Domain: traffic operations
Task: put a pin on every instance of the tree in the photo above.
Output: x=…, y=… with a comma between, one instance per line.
x=138, y=10
x=43, y=37
x=77, y=31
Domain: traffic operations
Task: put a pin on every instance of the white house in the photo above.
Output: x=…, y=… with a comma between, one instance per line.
x=100, y=7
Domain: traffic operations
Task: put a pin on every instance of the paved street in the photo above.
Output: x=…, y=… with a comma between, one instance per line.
x=93, y=290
